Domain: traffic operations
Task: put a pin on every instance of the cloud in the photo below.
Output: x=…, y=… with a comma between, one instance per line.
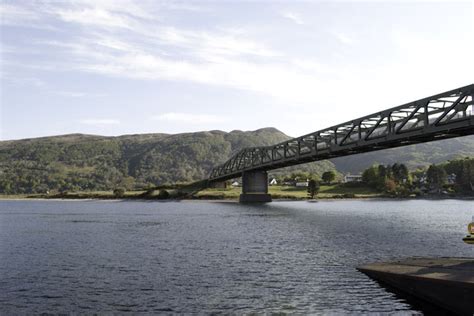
x=344, y=38
x=185, y=7
x=121, y=41
x=12, y=15
x=136, y=46
x=100, y=122
x=189, y=118
x=24, y=16
x=105, y=13
x=21, y=81
x=296, y=18
x=95, y=16
x=270, y=79
x=207, y=44
x=77, y=94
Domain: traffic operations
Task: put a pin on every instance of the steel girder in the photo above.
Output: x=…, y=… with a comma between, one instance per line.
x=445, y=115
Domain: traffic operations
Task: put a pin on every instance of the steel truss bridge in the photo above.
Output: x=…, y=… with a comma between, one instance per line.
x=445, y=115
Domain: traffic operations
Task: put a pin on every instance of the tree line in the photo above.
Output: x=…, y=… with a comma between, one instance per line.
x=455, y=176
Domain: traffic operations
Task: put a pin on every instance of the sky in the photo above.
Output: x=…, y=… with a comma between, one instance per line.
x=114, y=67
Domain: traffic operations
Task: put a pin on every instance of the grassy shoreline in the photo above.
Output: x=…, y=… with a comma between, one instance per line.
x=327, y=192
x=335, y=191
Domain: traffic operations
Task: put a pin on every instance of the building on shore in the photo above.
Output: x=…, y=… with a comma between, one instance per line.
x=302, y=183
x=352, y=178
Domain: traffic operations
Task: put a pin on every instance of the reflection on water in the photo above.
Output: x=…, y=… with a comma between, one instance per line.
x=189, y=257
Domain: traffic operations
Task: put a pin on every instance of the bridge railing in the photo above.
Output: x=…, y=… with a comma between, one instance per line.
x=444, y=115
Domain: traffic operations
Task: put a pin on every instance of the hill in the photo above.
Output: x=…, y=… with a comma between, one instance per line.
x=414, y=156
x=78, y=162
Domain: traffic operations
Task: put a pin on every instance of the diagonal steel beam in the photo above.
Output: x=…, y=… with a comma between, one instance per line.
x=439, y=118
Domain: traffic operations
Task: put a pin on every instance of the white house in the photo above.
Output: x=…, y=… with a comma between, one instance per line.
x=273, y=182
x=302, y=183
x=352, y=178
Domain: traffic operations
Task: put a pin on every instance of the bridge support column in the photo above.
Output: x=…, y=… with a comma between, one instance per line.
x=255, y=187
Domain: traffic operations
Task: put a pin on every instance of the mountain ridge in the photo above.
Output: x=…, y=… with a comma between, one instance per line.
x=93, y=162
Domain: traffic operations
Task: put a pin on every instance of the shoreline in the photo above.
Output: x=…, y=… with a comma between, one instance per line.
x=179, y=193
x=233, y=200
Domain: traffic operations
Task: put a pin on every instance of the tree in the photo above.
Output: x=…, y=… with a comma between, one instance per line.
x=128, y=182
x=313, y=188
x=400, y=173
x=467, y=175
x=404, y=174
x=370, y=176
x=119, y=192
x=163, y=194
x=390, y=186
x=436, y=177
x=300, y=176
x=329, y=176
x=384, y=173
x=463, y=170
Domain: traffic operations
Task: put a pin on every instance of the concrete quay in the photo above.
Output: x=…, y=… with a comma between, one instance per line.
x=445, y=282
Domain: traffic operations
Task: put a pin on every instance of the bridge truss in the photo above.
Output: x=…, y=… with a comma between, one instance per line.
x=445, y=115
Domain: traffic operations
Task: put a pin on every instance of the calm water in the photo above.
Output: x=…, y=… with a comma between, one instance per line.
x=215, y=257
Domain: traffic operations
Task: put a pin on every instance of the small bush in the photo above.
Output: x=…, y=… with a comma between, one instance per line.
x=119, y=192
x=163, y=194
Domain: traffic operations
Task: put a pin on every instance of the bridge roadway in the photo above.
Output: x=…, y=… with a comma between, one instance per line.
x=445, y=115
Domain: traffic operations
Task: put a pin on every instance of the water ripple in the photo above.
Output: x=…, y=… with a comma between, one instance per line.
x=197, y=257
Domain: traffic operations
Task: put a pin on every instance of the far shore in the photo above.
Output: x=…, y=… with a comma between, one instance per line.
x=232, y=200
x=381, y=199
x=328, y=192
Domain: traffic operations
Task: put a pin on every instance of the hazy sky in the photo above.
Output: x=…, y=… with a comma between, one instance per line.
x=122, y=67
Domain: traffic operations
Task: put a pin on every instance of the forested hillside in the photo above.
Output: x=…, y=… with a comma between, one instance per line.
x=85, y=162
x=414, y=156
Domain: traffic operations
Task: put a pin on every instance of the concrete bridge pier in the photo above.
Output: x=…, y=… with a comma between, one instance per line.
x=255, y=187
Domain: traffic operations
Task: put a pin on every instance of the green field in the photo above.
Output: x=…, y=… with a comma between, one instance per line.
x=283, y=192
x=73, y=195
x=278, y=192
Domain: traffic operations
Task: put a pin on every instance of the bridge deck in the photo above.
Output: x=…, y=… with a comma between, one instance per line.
x=445, y=115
